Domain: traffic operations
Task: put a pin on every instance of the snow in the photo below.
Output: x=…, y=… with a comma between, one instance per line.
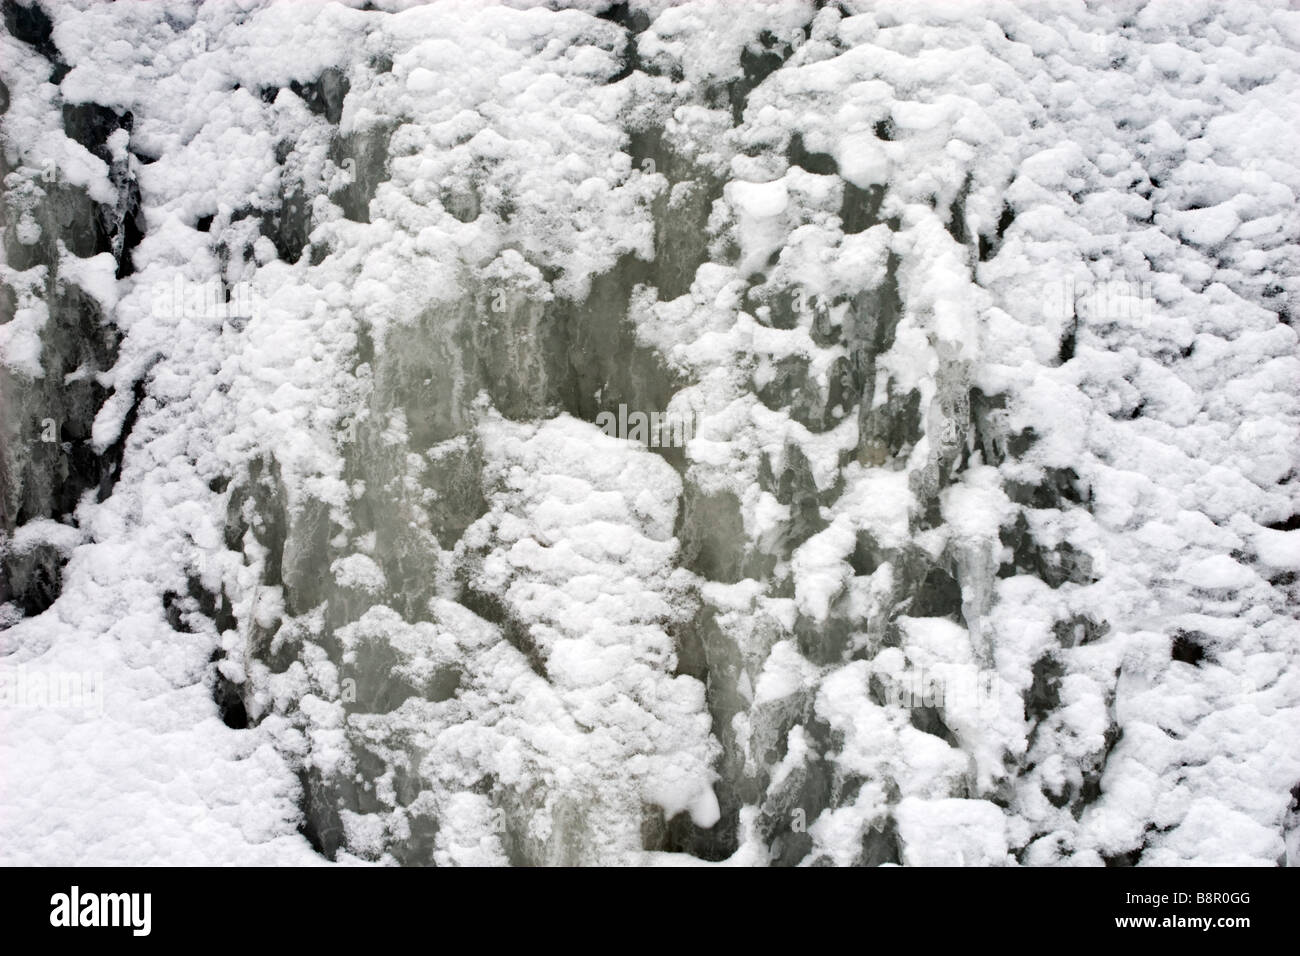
x=1217, y=572
x=1278, y=549
x=1024, y=434
x=951, y=833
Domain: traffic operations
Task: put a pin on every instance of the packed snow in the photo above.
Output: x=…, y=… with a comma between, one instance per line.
x=981, y=549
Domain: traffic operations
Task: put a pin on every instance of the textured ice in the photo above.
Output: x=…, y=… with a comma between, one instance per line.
x=981, y=549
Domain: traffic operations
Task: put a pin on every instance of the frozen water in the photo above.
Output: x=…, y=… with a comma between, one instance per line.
x=980, y=547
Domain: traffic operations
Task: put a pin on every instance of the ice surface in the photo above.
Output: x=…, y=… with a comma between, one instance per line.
x=980, y=547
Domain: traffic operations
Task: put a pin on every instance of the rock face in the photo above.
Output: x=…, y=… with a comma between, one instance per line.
x=832, y=435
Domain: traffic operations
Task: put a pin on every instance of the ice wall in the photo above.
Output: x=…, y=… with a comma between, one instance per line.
x=363, y=331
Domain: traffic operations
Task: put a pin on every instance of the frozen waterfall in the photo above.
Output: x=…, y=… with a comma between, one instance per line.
x=837, y=433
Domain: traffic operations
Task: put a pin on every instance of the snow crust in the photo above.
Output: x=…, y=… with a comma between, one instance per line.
x=565, y=647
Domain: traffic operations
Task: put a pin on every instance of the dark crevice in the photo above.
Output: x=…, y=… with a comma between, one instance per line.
x=1055, y=566
x=1079, y=631
x=30, y=24
x=988, y=247
x=493, y=610
x=866, y=555
x=683, y=835
x=758, y=60
x=363, y=156
x=324, y=96
x=929, y=720
x=1058, y=486
x=1187, y=648
x=288, y=226
x=228, y=697
x=823, y=164
x=321, y=823
x=621, y=13
x=33, y=580
x=128, y=228
x=91, y=124
x=711, y=531
x=938, y=596
x=881, y=845
x=118, y=228
x=680, y=213
x=110, y=463
x=860, y=208
x=1068, y=341
x=634, y=22
x=1090, y=790
x=695, y=641
x=956, y=223
x=1126, y=859
x=1044, y=695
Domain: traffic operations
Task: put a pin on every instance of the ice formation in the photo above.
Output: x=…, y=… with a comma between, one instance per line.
x=981, y=547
